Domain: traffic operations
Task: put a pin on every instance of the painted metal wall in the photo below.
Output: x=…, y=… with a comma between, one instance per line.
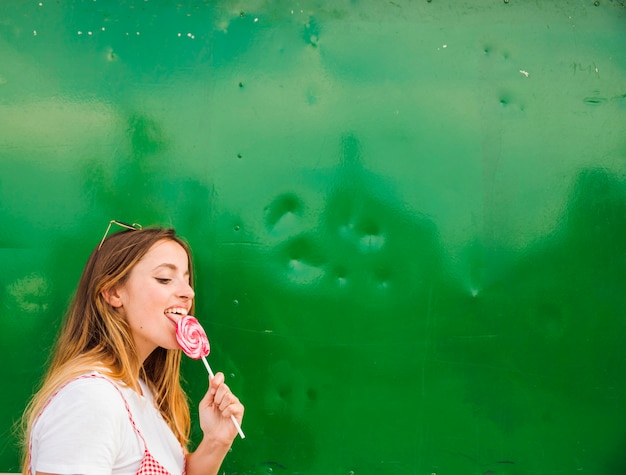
x=408, y=217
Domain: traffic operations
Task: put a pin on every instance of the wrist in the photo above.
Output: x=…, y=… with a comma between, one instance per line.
x=212, y=446
x=208, y=457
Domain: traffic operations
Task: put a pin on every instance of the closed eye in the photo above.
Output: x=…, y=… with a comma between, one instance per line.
x=163, y=280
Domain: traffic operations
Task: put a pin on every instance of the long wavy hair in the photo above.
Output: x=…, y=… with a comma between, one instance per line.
x=95, y=336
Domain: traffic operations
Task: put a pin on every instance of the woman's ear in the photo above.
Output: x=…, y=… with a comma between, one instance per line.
x=112, y=297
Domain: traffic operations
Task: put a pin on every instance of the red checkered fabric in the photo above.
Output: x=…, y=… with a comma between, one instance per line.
x=149, y=466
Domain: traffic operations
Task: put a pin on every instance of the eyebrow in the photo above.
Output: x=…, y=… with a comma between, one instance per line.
x=169, y=266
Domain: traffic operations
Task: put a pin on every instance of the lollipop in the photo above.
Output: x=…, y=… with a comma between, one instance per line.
x=192, y=338
x=193, y=341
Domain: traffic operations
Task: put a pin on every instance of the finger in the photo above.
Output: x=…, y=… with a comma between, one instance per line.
x=214, y=383
x=217, y=380
x=232, y=407
x=227, y=402
x=222, y=396
x=207, y=399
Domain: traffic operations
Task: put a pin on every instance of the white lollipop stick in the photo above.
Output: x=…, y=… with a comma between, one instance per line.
x=232, y=418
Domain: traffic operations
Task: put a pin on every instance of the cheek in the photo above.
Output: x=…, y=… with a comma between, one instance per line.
x=139, y=300
x=156, y=294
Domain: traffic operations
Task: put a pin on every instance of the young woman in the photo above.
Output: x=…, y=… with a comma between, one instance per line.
x=111, y=401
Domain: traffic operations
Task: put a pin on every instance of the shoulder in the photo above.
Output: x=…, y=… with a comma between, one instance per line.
x=91, y=387
x=88, y=397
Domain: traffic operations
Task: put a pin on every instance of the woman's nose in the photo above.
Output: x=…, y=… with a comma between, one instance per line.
x=187, y=291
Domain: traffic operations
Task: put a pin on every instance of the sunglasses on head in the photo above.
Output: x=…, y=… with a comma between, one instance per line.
x=133, y=227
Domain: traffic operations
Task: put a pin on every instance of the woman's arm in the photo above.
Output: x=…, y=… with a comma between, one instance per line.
x=216, y=407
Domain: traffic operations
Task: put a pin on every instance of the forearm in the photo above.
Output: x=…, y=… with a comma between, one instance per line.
x=207, y=458
x=217, y=407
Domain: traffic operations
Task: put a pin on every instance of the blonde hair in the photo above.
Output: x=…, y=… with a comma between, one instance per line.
x=95, y=336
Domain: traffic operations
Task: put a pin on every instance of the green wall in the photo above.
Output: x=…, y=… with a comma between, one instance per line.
x=408, y=217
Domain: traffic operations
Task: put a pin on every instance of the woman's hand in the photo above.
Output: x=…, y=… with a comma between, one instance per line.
x=216, y=407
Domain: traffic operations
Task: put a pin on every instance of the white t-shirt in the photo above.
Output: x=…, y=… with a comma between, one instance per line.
x=85, y=429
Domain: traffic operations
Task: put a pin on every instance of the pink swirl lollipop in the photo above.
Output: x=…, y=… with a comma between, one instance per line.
x=192, y=339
